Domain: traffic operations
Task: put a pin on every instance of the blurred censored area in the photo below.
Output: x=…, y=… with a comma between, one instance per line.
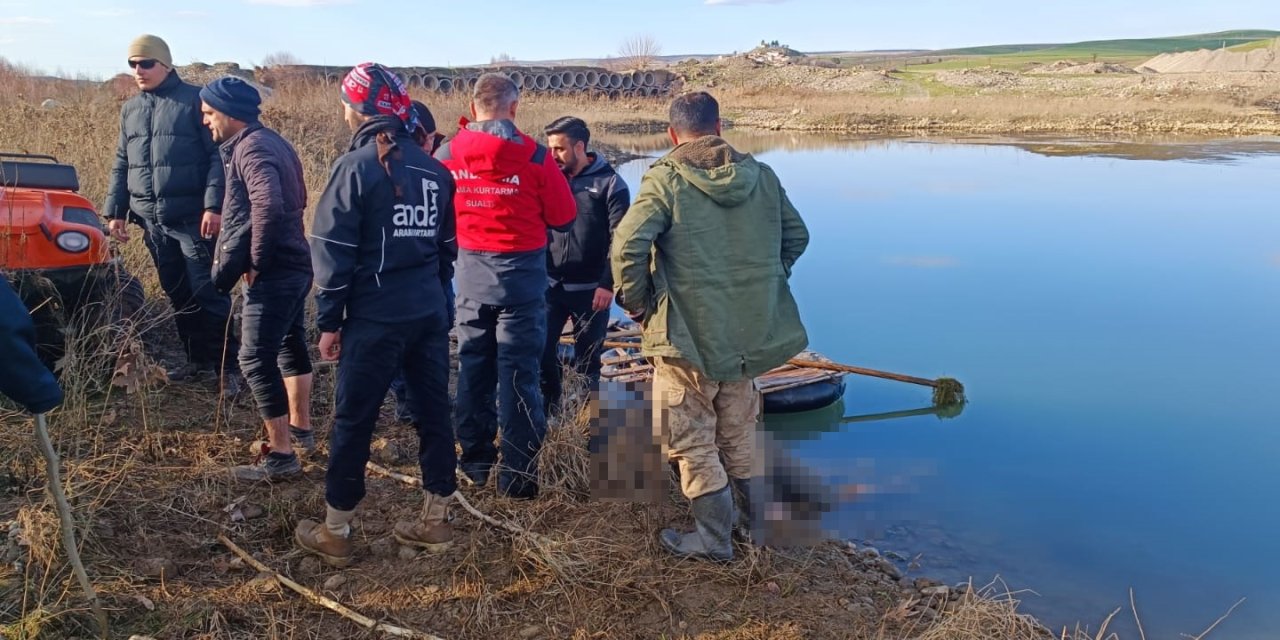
x=630, y=448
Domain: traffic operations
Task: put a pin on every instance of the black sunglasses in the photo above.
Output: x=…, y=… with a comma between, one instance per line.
x=145, y=64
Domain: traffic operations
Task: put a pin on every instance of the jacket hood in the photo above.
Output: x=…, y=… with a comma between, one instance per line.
x=597, y=165
x=709, y=163
x=370, y=128
x=492, y=149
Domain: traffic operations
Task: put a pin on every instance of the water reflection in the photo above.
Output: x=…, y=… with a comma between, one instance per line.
x=1156, y=148
x=1112, y=304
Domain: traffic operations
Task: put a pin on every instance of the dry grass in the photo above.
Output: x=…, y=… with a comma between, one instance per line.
x=146, y=474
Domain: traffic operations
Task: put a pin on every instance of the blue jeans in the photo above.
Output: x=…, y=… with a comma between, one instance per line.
x=500, y=348
x=589, y=329
x=421, y=347
x=184, y=260
x=273, y=339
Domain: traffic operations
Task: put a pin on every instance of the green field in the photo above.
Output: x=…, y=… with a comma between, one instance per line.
x=1273, y=43
x=1131, y=52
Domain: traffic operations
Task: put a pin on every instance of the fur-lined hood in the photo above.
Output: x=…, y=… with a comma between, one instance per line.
x=712, y=165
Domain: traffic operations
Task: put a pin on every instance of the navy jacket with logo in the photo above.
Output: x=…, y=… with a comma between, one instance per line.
x=376, y=255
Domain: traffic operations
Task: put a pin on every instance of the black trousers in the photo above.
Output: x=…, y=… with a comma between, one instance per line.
x=183, y=262
x=372, y=353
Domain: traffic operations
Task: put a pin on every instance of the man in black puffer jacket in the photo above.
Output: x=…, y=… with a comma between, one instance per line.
x=382, y=231
x=168, y=178
x=580, y=281
x=263, y=240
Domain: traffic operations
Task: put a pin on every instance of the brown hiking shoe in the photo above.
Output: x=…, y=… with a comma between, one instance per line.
x=315, y=537
x=432, y=531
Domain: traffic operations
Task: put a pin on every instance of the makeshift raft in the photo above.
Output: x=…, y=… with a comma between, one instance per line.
x=785, y=389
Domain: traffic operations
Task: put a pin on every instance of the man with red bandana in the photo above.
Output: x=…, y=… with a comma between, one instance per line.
x=381, y=243
x=509, y=192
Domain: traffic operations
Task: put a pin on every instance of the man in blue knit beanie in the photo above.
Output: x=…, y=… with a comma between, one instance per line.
x=263, y=242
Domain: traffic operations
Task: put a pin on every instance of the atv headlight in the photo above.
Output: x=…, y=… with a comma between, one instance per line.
x=72, y=241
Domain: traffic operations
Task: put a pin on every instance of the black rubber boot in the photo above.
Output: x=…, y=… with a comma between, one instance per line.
x=713, y=515
x=745, y=528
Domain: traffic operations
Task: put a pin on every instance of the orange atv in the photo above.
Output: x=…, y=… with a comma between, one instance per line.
x=54, y=251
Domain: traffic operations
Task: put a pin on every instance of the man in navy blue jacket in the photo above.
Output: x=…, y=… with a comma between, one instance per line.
x=22, y=376
x=382, y=231
x=579, y=278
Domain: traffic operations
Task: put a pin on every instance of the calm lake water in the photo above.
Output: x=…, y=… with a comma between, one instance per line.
x=1114, y=312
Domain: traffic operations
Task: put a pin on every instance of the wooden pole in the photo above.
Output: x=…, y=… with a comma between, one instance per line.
x=844, y=368
x=52, y=465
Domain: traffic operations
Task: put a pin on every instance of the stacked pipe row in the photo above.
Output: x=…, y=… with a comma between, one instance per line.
x=538, y=80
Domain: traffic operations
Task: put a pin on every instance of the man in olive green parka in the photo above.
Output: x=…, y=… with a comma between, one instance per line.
x=704, y=255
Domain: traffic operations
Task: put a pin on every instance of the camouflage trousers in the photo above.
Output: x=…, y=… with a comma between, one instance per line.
x=703, y=422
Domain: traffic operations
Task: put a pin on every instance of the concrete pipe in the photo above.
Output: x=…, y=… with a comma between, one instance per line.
x=415, y=81
x=580, y=80
x=628, y=82
x=602, y=80
x=566, y=78
x=648, y=79
x=614, y=94
x=593, y=78
x=517, y=78
x=430, y=82
x=615, y=81
x=555, y=80
x=444, y=85
x=541, y=82
x=404, y=79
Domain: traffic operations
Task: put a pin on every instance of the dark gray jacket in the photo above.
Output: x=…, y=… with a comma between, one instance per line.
x=579, y=257
x=167, y=168
x=262, y=225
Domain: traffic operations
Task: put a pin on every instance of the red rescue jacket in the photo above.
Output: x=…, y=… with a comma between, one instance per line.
x=509, y=188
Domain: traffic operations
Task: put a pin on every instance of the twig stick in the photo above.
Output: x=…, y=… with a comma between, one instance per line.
x=1134, y=605
x=1219, y=620
x=466, y=504
x=328, y=603
x=68, y=523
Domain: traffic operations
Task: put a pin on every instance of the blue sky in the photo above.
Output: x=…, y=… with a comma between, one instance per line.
x=89, y=36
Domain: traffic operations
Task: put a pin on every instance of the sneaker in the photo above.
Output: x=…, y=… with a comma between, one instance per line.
x=304, y=440
x=272, y=467
x=188, y=372
x=432, y=530
x=315, y=537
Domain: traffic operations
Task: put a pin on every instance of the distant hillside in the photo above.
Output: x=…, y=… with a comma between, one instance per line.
x=1131, y=48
